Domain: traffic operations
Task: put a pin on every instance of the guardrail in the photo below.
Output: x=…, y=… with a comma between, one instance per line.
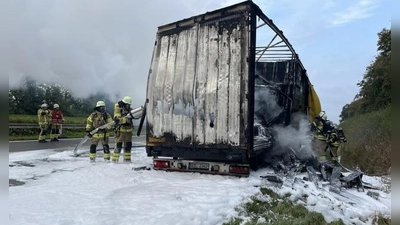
x=70, y=126
x=34, y=125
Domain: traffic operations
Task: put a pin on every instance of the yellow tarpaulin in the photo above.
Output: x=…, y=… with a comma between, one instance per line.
x=314, y=106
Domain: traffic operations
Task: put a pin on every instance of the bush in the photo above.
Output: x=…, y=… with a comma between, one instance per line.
x=368, y=142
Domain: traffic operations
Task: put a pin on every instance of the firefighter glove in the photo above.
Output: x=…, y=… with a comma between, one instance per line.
x=102, y=130
x=89, y=134
x=116, y=120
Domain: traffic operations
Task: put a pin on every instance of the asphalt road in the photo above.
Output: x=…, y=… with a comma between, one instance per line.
x=70, y=143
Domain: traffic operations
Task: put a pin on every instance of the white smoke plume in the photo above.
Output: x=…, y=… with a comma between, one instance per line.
x=88, y=46
x=265, y=105
x=295, y=138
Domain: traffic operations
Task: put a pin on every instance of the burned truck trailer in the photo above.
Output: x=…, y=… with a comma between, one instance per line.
x=201, y=103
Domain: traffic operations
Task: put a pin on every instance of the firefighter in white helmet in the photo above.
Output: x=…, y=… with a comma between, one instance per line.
x=96, y=119
x=44, y=121
x=56, y=120
x=124, y=129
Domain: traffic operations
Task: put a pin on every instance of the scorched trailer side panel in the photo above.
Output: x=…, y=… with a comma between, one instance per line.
x=197, y=105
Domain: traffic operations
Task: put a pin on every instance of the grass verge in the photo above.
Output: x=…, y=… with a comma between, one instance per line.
x=17, y=118
x=33, y=134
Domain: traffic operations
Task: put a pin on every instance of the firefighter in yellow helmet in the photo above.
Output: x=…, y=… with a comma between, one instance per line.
x=96, y=119
x=44, y=117
x=124, y=128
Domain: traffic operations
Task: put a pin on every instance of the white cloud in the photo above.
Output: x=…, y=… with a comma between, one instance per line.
x=358, y=10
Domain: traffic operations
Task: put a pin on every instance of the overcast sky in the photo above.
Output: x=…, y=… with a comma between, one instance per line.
x=89, y=46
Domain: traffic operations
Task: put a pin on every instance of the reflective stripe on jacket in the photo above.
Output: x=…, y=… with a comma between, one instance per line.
x=43, y=116
x=318, y=127
x=56, y=116
x=333, y=139
x=125, y=123
x=95, y=120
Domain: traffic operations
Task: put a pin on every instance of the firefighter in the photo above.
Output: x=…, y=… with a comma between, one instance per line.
x=123, y=130
x=56, y=120
x=335, y=138
x=96, y=119
x=319, y=140
x=44, y=120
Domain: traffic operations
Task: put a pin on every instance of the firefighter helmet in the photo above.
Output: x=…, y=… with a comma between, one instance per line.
x=127, y=100
x=323, y=116
x=44, y=105
x=56, y=106
x=100, y=103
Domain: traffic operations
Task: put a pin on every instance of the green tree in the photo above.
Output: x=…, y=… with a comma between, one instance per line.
x=375, y=87
x=352, y=109
x=30, y=95
x=27, y=99
x=376, y=84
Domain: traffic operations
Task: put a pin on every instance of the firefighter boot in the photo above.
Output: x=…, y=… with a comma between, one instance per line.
x=127, y=152
x=115, y=155
x=106, y=149
x=92, y=153
x=127, y=157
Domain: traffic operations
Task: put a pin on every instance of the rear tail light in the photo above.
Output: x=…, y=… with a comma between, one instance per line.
x=161, y=164
x=239, y=169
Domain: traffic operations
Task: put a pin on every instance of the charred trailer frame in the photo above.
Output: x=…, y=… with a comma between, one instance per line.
x=204, y=73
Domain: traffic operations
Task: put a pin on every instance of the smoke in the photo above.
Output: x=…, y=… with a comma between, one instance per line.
x=87, y=46
x=266, y=107
x=295, y=138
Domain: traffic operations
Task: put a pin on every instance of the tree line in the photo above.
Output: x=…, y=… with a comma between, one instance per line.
x=30, y=95
x=375, y=87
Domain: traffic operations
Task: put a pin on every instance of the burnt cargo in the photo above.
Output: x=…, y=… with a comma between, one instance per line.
x=204, y=82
